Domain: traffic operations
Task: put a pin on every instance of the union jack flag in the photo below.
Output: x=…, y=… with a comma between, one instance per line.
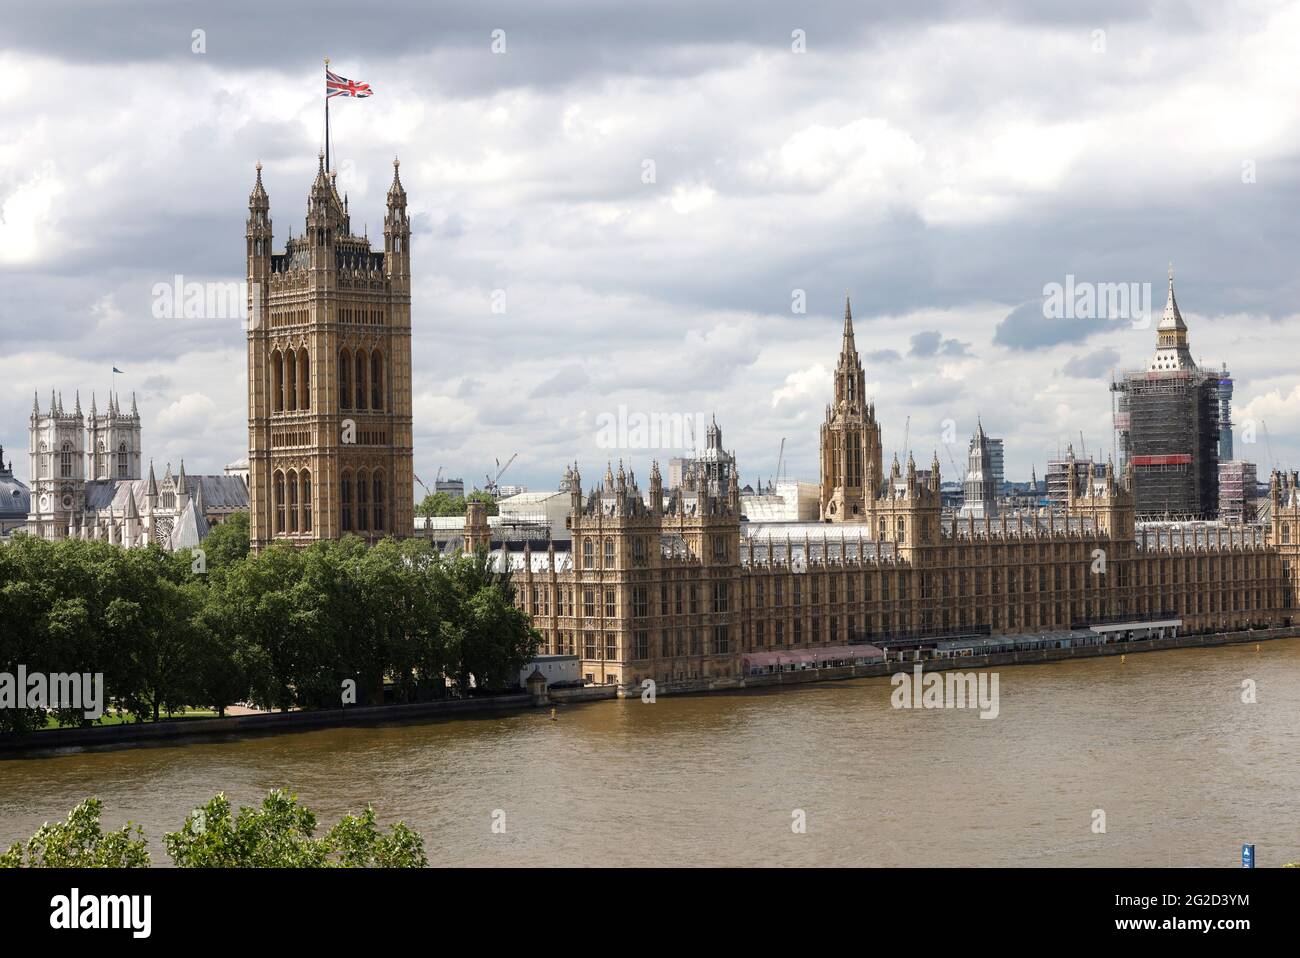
x=336, y=85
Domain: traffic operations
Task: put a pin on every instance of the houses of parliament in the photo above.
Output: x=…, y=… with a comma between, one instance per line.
x=678, y=583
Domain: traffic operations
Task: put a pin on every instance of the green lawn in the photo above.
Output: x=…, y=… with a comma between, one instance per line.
x=111, y=719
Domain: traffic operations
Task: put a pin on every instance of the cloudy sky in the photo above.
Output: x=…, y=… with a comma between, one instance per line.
x=943, y=169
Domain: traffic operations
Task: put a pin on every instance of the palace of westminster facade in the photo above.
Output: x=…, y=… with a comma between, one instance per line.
x=677, y=583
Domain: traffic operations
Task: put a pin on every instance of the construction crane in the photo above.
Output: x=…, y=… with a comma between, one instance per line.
x=780, y=459
x=1267, y=445
x=491, y=487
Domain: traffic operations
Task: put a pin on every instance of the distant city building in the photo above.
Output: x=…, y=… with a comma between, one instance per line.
x=15, y=498
x=996, y=461
x=453, y=487
x=1238, y=488
x=1167, y=423
x=1057, y=477
x=1225, y=414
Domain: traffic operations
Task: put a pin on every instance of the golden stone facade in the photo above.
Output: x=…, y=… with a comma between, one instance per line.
x=676, y=586
x=329, y=373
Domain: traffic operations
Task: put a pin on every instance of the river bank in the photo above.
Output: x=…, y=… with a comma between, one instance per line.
x=52, y=741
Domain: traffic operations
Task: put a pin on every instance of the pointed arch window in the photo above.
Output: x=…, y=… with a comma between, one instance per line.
x=293, y=501
x=305, y=479
x=345, y=501
x=377, y=500
x=304, y=379
x=277, y=382
x=291, y=379
x=122, y=465
x=345, y=380
x=376, y=380
x=361, y=378
x=363, y=503
x=65, y=461
x=279, y=502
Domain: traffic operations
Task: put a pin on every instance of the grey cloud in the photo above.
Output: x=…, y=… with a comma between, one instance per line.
x=882, y=356
x=933, y=343
x=1025, y=327
x=568, y=380
x=1092, y=365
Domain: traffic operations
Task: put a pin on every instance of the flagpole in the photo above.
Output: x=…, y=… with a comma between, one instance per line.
x=327, y=121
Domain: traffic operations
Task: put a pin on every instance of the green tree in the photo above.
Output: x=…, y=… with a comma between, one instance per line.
x=80, y=842
x=497, y=638
x=258, y=604
x=154, y=631
x=228, y=542
x=281, y=834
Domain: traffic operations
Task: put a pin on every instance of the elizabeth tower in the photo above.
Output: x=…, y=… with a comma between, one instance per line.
x=329, y=373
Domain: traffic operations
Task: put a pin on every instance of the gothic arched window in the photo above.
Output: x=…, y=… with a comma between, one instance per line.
x=609, y=552
x=304, y=477
x=588, y=555
x=65, y=461
x=345, y=501
x=279, y=502
x=293, y=500
x=345, y=380
x=277, y=383
x=363, y=503
x=377, y=498
x=361, y=378
x=304, y=379
x=291, y=379
x=121, y=461
x=376, y=380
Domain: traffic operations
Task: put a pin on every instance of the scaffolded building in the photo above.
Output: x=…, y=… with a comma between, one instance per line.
x=1237, y=484
x=1167, y=426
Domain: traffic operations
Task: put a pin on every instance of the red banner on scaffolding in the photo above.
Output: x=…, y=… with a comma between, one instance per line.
x=1181, y=459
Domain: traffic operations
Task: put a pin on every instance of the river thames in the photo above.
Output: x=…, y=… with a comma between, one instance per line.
x=1163, y=744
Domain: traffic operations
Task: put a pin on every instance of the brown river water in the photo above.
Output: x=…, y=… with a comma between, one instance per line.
x=1162, y=743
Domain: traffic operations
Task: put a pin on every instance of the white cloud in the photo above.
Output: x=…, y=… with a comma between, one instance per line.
x=815, y=383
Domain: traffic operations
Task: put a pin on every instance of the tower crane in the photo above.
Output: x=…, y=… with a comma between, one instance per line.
x=491, y=487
